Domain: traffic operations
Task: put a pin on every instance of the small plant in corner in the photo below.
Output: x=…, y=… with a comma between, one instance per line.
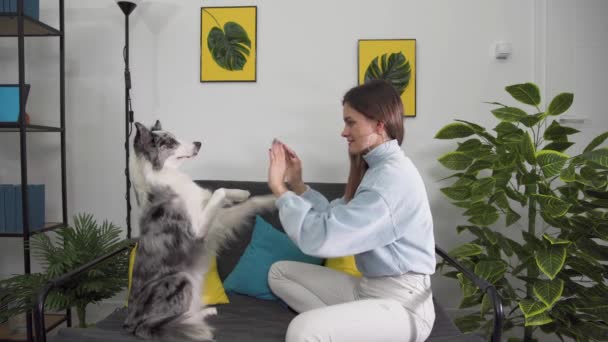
x=73, y=246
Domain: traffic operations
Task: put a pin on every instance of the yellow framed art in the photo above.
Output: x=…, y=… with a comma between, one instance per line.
x=228, y=44
x=393, y=60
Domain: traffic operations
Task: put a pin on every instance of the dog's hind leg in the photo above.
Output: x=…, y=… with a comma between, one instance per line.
x=159, y=303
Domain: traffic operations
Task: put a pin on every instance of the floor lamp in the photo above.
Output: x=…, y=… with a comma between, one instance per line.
x=127, y=7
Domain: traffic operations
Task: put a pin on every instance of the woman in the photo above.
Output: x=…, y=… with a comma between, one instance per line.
x=383, y=219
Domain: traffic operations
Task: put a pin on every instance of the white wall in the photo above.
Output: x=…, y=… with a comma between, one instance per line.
x=306, y=61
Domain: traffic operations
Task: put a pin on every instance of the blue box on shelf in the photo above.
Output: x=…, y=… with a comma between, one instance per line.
x=13, y=212
x=2, y=209
x=8, y=194
x=31, y=8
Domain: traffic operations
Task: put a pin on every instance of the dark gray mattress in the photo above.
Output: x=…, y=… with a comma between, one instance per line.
x=244, y=319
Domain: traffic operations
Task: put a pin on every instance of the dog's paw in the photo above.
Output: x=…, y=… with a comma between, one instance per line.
x=265, y=202
x=209, y=312
x=237, y=196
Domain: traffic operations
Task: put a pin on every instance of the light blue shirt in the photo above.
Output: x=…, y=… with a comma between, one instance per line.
x=387, y=225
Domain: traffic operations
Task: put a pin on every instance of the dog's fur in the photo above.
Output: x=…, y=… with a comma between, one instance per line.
x=182, y=225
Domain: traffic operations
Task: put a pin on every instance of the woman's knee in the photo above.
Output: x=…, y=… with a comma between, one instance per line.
x=304, y=328
x=276, y=274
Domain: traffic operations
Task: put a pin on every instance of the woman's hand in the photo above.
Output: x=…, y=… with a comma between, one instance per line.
x=277, y=168
x=293, y=176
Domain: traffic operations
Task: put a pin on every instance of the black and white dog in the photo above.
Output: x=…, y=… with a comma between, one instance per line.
x=182, y=226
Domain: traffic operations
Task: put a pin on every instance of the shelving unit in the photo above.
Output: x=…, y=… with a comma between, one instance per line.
x=17, y=25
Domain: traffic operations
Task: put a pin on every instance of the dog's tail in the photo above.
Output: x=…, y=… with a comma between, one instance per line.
x=188, y=327
x=231, y=220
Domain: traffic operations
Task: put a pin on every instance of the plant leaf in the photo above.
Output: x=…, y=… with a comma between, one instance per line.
x=538, y=319
x=591, y=270
x=467, y=286
x=479, y=165
x=486, y=305
x=504, y=128
x=458, y=193
x=475, y=127
x=468, y=145
x=491, y=270
x=470, y=301
x=551, y=162
x=529, y=151
x=483, y=186
x=527, y=93
x=229, y=47
x=455, y=160
x=531, y=307
x=468, y=323
x=509, y=114
x=597, y=309
x=468, y=249
x=568, y=174
x=394, y=68
x=596, y=142
x=533, y=119
x=500, y=199
x=455, y=130
x=512, y=217
x=549, y=292
x=599, y=156
x=552, y=205
x=482, y=214
x=556, y=241
x=558, y=132
x=550, y=260
x=559, y=146
x=516, y=196
x=560, y=103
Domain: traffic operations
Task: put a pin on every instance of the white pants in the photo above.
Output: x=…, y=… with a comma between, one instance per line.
x=337, y=307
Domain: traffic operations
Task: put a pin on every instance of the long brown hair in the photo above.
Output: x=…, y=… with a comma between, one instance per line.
x=376, y=100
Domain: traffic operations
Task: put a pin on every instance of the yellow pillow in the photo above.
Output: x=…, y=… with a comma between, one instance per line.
x=213, y=290
x=345, y=264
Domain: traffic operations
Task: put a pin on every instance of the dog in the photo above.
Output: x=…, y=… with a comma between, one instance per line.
x=182, y=226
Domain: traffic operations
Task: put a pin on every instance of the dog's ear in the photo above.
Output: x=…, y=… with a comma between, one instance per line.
x=157, y=126
x=143, y=135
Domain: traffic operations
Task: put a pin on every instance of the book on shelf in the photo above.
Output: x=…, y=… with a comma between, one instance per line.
x=11, y=217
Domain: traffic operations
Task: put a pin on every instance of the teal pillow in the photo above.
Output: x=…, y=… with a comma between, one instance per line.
x=268, y=245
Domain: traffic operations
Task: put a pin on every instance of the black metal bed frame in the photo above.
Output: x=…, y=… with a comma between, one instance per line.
x=56, y=283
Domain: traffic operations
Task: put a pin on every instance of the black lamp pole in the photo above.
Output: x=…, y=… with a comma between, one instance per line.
x=127, y=7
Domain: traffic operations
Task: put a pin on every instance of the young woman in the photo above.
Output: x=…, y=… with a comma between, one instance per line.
x=383, y=219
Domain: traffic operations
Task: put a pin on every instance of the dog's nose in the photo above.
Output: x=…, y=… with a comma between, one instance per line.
x=198, y=145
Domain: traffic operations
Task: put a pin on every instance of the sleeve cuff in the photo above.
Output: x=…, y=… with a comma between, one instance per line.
x=284, y=198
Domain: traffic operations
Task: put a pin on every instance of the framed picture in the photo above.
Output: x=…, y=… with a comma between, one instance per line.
x=228, y=44
x=393, y=60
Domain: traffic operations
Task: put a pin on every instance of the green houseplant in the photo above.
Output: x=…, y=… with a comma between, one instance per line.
x=547, y=257
x=73, y=246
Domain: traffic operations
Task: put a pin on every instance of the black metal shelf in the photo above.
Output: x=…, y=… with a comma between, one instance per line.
x=16, y=128
x=20, y=26
x=49, y=226
x=31, y=27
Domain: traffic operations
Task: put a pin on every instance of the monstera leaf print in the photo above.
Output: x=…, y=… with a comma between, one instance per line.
x=229, y=47
x=394, y=68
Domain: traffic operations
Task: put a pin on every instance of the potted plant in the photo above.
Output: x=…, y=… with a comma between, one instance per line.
x=73, y=246
x=549, y=266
